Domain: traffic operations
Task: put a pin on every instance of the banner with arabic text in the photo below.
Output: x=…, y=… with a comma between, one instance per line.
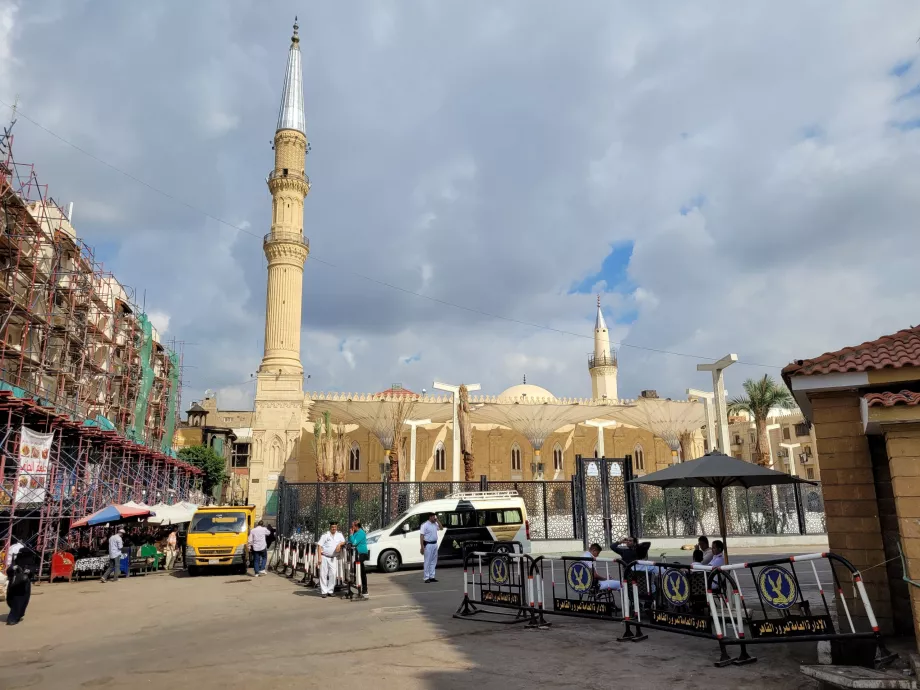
x=34, y=466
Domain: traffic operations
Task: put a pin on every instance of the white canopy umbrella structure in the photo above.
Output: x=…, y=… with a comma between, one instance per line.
x=382, y=414
x=535, y=413
x=172, y=514
x=669, y=420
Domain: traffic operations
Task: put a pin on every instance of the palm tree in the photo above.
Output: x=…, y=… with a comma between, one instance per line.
x=763, y=396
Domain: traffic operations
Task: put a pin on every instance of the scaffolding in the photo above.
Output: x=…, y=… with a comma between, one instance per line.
x=79, y=358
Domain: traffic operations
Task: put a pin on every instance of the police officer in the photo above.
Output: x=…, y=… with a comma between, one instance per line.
x=428, y=535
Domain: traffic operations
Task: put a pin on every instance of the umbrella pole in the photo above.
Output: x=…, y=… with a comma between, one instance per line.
x=721, y=509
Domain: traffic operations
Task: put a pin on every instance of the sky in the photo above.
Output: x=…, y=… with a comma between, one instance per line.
x=729, y=177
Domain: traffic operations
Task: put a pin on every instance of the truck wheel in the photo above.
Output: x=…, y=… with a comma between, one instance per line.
x=389, y=562
x=193, y=571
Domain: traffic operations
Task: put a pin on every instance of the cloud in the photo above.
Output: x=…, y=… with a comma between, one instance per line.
x=159, y=320
x=723, y=194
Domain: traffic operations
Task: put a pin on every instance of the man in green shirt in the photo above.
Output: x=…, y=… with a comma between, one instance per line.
x=358, y=539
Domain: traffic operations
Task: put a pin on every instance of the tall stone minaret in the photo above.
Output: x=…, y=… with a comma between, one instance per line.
x=285, y=246
x=603, y=363
x=277, y=424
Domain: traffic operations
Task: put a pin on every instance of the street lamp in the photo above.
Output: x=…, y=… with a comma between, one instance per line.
x=413, y=424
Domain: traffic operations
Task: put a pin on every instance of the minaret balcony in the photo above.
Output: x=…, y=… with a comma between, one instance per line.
x=602, y=360
x=287, y=238
x=288, y=174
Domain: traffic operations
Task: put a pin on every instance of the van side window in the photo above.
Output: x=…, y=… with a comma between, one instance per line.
x=509, y=516
x=465, y=518
x=414, y=522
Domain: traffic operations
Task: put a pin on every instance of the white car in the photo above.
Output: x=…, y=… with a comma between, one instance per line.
x=477, y=516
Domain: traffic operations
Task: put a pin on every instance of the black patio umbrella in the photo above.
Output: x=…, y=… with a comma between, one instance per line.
x=718, y=471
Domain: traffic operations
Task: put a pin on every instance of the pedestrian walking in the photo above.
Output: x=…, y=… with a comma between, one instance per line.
x=171, y=548
x=358, y=539
x=330, y=545
x=19, y=586
x=116, y=544
x=428, y=535
x=258, y=546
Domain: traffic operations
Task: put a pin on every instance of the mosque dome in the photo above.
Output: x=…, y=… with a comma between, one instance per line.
x=526, y=391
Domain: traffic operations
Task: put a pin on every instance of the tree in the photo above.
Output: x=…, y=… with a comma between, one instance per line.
x=213, y=465
x=763, y=396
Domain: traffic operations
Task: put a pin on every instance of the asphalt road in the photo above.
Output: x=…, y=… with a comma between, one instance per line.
x=228, y=631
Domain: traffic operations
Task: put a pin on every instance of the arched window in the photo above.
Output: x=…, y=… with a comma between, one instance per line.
x=557, y=458
x=639, y=458
x=275, y=460
x=354, y=458
x=515, y=457
x=440, y=459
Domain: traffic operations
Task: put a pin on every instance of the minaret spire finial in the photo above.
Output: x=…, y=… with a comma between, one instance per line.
x=598, y=299
x=291, y=115
x=525, y=378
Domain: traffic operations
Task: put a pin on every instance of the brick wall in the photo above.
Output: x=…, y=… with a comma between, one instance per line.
x=850, y=502
x=903, y=444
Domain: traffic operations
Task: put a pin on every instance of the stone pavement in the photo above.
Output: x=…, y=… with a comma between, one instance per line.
x=228, y=631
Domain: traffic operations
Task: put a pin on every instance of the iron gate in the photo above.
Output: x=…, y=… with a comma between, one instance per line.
x=606, y=502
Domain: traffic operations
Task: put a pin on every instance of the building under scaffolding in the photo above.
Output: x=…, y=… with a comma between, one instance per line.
x=77, y=357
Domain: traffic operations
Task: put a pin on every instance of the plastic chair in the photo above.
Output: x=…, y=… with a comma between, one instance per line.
x=62, y=564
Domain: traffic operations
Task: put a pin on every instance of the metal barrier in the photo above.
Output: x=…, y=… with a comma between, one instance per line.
x=300, y=555
x=589, y=588
x=498, y=580
x=687, y=600
x=791, y=616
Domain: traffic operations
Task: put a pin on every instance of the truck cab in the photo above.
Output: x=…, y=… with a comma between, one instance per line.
x=217, y=536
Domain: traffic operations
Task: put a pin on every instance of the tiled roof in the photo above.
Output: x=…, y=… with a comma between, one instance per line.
x=901, y=349
x=909, y=398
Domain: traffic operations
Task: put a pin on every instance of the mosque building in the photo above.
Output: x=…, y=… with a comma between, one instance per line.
x=539, y=441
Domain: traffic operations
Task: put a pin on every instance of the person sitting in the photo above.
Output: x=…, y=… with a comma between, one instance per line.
x=698, y=556
x=626, y=549
x=602, y=583
x=703, y=545
x=718, y=554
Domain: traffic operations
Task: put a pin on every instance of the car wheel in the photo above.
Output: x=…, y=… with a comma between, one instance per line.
x=502, y=548
x=389, y=562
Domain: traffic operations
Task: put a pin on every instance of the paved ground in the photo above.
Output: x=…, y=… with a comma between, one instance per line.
x=231, y=632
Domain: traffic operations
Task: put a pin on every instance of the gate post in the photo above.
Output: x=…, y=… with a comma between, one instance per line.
x=799, y=511
x=316, y=514
x=605, y=502
x=545, y=515
x=348, y=503
x=483, y=482
x=632, y=498
x=384, y=508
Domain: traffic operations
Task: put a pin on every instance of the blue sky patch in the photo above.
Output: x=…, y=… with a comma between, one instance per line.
x=900, y=69
x=694, y=203
x=913, y=93
x=812, y=131
x=411, y=358
x=907, y=125
x=613, y=271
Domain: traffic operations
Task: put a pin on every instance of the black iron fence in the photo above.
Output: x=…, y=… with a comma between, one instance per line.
x=762, y=510
x=556, y=510
x=308, y=507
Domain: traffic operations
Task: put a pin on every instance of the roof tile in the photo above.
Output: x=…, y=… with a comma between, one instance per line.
x=901, y=349
x=905, y=397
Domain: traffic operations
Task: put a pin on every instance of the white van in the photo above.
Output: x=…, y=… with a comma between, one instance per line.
x=475, y=516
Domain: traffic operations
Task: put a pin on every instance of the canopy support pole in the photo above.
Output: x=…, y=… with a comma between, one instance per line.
x=721, y=509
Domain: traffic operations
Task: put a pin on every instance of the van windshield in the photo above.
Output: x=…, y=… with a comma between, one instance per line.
x=218, y=522
x=396, y=522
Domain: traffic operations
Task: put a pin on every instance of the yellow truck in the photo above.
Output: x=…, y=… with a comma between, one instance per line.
x=217, y=537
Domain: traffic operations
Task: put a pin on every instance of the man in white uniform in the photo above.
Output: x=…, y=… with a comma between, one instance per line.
x=428, y=535
x=330, y=544
x=603, y=583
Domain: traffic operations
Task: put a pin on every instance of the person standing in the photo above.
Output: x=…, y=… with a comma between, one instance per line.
x=358, y=539
x=428, y=535
x=116, y=544
x=171, y=549
x=330, y=544
x=258, y=546
x=19, y=589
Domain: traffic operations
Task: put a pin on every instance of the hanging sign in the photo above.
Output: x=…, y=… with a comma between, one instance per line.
x=34, y=466
x=592, y=470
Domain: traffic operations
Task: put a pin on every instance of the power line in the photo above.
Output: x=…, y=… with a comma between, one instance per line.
x=357, y=274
